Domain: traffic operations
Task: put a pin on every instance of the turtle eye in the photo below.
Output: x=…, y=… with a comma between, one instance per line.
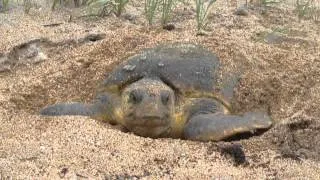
x=135, y=97
x=165, y=97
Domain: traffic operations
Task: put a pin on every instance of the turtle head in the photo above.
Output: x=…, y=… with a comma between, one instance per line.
x=148, y=107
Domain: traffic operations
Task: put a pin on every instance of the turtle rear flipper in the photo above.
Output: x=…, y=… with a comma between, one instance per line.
x=68, y=109
x=219, y=126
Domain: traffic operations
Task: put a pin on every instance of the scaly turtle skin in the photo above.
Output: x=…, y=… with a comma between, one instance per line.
x=175, y=90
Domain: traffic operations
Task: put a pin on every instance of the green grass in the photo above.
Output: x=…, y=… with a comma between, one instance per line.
x=100, y=7
x=203, y=9
x=263, y=3
x=27, y=5
x=5, y=4
x=119, y=6
x=76, y=3
x=150, y=9
x=106, y=7
x=269, y=2
x=167, y=7
x=308, y=9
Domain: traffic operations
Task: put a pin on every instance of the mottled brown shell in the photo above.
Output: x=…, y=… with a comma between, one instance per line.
x=191, y=70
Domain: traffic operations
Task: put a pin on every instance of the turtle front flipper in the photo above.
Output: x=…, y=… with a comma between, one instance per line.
x=102, y=108
x=219, y=126
x=68, y=109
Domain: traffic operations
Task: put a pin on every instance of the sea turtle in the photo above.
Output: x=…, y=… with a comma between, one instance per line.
x=173, y=90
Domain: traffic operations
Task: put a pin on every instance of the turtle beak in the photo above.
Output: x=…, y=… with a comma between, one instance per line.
x=149, y=119
x=151, y=114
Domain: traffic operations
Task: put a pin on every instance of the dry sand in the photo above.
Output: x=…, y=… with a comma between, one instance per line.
x=283, y=77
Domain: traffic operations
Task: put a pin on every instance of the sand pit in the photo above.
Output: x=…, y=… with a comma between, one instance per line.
x=281, y=76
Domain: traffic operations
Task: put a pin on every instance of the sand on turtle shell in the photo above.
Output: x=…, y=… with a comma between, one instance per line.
x=282, y=77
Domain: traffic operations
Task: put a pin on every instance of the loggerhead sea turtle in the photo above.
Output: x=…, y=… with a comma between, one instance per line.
x=174, y=90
